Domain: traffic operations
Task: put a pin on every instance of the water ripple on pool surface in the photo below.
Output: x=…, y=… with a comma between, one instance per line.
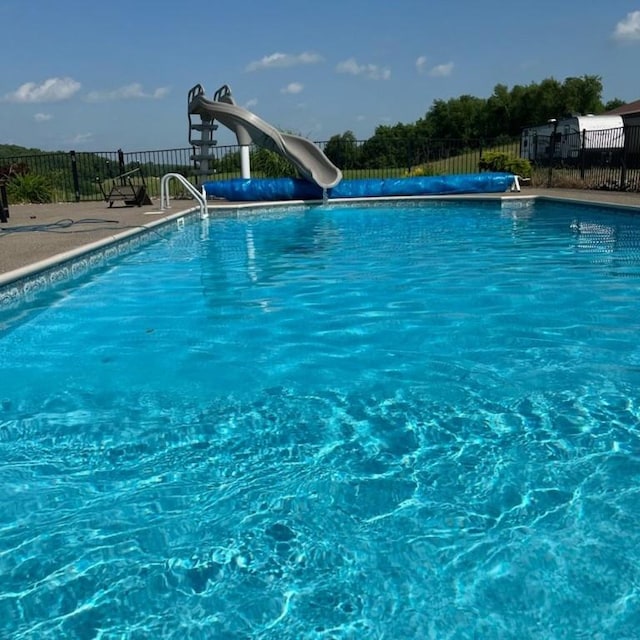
x=317, y=513
x=318, y=447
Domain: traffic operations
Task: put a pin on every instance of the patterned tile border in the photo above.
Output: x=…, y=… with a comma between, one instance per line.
x=26, y=284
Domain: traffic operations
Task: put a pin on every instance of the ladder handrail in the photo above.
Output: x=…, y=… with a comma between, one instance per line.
x=164, y=193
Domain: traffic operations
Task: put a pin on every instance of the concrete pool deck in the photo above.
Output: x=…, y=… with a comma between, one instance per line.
x=46, y=233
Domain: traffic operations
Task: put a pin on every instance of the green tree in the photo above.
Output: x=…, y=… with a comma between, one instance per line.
x=271, y=164
x=389, y=147
x=582, y=95
x=536, y=103
x=500, y=115
x=547, y=101
x=463, y=118
x=343, y=151
x=613, y=104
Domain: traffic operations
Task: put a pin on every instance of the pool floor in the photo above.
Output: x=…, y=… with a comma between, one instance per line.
x=416, y=421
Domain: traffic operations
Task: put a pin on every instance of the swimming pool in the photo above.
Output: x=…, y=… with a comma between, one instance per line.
x=392, y=421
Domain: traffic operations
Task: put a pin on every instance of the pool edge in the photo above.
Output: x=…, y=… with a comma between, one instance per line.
x=15, y=275
x=26, y=280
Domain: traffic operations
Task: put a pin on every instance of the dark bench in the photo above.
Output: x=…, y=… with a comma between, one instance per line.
x=129, y=188
x=130, y=194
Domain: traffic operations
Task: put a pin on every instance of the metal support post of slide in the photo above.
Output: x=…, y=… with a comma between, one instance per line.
x=245, y=162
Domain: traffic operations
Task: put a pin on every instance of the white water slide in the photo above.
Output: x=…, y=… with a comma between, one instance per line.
x=308, y=158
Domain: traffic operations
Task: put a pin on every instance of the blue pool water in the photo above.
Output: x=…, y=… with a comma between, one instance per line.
x=381, y=422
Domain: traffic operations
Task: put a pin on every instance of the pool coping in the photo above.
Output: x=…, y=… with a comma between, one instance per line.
x=26, y=281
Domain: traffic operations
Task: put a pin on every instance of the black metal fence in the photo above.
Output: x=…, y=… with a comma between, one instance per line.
x=76, y=176
x=589, y=160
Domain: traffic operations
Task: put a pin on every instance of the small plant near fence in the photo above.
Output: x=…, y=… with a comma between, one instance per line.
x=505, y=162
x=30, y=188
x=421, y=170
x=24, y=186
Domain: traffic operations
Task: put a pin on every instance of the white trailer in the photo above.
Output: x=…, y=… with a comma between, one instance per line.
x=573, y=139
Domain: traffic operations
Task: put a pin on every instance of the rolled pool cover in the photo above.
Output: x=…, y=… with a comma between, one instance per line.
x=277, y=189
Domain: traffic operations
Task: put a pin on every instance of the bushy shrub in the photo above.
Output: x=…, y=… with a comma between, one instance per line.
x=504, y=162
x=272, y=165
x=421, y=170
x=29, y=188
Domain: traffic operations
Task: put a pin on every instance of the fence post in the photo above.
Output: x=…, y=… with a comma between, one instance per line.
x=121, y=164
x=74, y=175
x=623, y=161
x=583, y=145
x=552, y=149
x=4, y=201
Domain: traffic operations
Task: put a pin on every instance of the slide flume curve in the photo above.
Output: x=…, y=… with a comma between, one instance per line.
x=308, y=158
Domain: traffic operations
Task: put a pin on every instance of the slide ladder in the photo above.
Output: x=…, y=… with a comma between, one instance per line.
x=201, y=138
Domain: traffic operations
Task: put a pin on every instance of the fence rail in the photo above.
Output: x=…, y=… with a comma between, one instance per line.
x=568, y=161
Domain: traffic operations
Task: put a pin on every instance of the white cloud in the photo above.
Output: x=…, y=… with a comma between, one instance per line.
x=282, y=60
x=421, y=64
x=160, y=92
x=42, y=117
x=251, y=103
x=629, y=28
x=133, y=91
x=349, y=66
x=292, y=87
x=51, y=90
x=370, y=70
x=81, y=138
x=441, y=70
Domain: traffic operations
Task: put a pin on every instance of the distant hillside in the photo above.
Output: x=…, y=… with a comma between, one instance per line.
x=12, y=150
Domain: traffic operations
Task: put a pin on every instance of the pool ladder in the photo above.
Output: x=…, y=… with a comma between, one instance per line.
x=200, y=196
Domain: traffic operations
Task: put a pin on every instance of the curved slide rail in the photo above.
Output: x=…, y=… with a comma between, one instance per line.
x=164, y=193
x=312, y=163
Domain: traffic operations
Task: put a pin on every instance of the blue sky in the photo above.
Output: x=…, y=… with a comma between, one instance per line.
x=97, y=76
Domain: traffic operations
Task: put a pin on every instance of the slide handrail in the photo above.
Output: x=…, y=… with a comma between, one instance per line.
x=164, y=193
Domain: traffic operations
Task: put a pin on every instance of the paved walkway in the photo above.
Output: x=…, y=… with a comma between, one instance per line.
x=40, y=232
x=36, y=232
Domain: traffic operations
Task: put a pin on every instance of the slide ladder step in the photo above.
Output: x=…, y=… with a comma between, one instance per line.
x=202, y=156
x=204, y=126
x=197, y=142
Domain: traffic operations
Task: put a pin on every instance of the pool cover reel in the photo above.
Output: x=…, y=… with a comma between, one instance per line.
x=271, y=189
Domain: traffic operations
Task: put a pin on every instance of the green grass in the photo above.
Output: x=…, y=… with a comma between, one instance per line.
x=356, y=174
x=468, y=162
